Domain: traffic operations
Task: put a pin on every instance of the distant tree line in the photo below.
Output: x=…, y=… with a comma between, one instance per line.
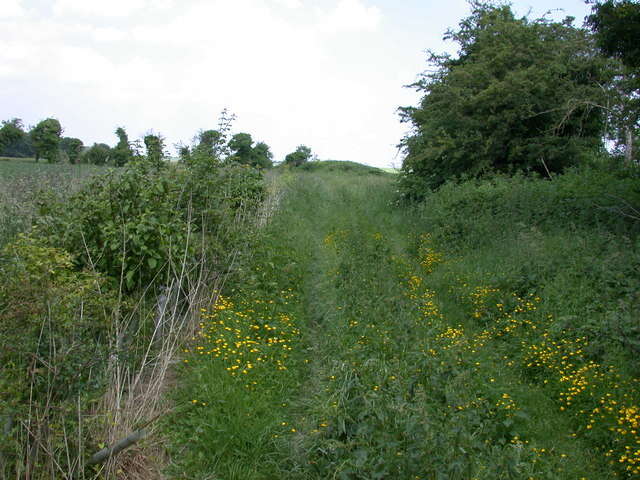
x=521, y=94
x=45, y=141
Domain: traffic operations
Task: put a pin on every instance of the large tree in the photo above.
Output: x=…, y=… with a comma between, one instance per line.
x=262, y=156
x=72, y=147
x=46, y=139
x=209, y=142
x=616, y=25
x=241, y=146
x=11, y=132
x=300, y=156
x=520, y=94
x=14, y=141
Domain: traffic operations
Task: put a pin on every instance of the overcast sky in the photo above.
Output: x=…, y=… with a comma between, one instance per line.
x=325, y=73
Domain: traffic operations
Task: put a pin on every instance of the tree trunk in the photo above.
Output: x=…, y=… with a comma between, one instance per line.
x=628, y=150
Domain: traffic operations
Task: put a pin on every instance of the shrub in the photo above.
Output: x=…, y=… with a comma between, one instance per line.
x=136, y=224
x=54, y=323
x=98, y=154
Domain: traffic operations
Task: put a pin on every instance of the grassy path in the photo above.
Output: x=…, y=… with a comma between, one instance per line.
x=346, y=353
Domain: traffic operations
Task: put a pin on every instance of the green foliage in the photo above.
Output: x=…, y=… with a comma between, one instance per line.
x=262, y=156
x=572, y=243
x=209, y=142
x=395, y=368
x=299, y=157
x=25, y=184
x=617, y=27
x=72, y=147
x=125, y=224
x=122, y=152
x=46, y=139
x=184, y=153
x=155, y=149
x=54, y=329
x=10, y=133
x=244, y=152
x=14, y=141
x=341, y=166
x=602, y=197
x=97, y=154
x=68, y=288
x=241, y=145
x=51, y=314
x=520, y=95
x=137, y=223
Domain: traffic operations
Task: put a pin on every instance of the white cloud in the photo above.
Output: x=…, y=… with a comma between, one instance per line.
x=350, y=15
x=98, y=8
x=174, y=70
x=289, y=3
x=108, y=34
x=11, y=9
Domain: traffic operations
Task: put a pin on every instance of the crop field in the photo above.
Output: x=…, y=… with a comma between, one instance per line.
x=23, y=183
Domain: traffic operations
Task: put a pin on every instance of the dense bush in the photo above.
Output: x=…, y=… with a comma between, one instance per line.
x=301, y=156
x=122, y=224
x=466, y=213
x=137, y=224
x=55, y=327
x=519, y=95
x=97, y=154
x=78, y=296
x=572, y=240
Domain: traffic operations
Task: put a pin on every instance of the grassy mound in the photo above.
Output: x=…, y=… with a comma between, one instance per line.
x=340, y=166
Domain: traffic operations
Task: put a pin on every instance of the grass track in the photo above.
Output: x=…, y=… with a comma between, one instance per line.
x=364, y=359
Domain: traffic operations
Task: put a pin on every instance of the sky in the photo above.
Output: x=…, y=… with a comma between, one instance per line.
x=329, y=74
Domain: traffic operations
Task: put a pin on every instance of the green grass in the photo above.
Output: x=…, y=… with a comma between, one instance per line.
x=17, y=159
x=410, y=354
x=337, y=166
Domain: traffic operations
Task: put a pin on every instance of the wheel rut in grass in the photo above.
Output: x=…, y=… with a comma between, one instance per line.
x=346, y=352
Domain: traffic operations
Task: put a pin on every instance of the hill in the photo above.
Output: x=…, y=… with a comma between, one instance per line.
x=340, y=166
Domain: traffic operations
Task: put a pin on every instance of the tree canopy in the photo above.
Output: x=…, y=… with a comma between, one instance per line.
x=617, y=28
x=245, y=152
x=616, y=25
x=262, y=156
x=72, y=147
x=98, y=154
x=155, y=148
x=521, y=94
x=14, y=140
x=11, y=132
x=209, y=142
x=300, y=156
x=46, y=139
x=122, y=152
